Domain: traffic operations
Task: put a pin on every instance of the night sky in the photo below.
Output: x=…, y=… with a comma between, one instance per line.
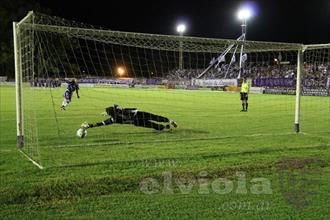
x=304, y=21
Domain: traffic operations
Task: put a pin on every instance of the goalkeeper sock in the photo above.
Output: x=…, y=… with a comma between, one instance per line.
x=246, y=106
x=243, y=107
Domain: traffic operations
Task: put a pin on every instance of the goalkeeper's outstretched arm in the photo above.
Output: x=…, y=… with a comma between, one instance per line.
x=109, y=121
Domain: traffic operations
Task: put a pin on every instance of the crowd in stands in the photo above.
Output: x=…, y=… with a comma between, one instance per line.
x=185, y=74
x=313, y=75
x=40, y=82
x=102, y=80
x=252, y=71
x=97, y=80
x=53, y=83
x=231, y=72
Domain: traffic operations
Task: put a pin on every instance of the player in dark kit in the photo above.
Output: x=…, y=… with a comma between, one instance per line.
x=72, y=86
x=134, y=117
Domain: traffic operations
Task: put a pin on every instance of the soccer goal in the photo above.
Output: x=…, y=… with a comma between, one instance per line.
x=163, y=74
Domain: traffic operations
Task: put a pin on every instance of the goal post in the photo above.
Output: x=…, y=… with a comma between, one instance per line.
x=18, y=78
x=23, y=41
x=300, y=62
x=19, y=88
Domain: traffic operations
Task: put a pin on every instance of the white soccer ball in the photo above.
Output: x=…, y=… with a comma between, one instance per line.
x=81, y=133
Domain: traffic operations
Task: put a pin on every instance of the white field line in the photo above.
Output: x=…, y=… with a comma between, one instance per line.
x=33, y=161
x=4, y=150
x=315, y=135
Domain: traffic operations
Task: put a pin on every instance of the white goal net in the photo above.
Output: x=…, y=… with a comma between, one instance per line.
x=146, y=71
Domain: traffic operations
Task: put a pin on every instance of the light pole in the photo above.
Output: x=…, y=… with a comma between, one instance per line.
x=181, y=28
x=243, y=14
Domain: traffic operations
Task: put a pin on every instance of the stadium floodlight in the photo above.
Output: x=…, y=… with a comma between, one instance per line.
x=244, y=14
x=181, y=28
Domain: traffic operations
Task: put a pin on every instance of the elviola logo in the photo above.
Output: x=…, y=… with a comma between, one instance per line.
x=239, y=184
x=298, y=180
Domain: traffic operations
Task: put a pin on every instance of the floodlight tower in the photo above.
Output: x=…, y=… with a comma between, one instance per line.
x=181, y=28
x=243, y=14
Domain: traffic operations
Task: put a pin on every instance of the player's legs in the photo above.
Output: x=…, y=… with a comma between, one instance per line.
x=149, y=124
x=246, y=102
x=65, y=103
x=152, y=117
x=67, y=100
x=244, y=99
x=243, y=102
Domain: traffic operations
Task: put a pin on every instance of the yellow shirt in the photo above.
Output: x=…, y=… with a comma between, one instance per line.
x=245, y=87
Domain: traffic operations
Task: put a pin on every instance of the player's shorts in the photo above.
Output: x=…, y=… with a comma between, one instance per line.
x=68, y=95
x=244, y=96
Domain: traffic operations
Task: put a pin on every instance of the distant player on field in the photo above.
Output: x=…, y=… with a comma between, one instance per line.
x=72, y=86
x=245, y=89
x=133, y=116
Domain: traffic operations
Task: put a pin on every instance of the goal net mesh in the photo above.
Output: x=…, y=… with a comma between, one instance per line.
x=142, y=70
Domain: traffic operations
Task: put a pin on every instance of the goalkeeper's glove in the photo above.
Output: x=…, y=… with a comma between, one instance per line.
x=104, y=114
x=85, y=125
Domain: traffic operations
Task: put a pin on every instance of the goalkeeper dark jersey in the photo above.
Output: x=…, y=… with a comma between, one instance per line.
x=134, y=117
x=124, y=115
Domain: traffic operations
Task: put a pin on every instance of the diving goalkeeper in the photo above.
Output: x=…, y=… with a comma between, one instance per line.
x=133, y=116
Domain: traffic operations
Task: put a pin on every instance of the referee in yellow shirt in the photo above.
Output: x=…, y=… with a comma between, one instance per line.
x=245, y=89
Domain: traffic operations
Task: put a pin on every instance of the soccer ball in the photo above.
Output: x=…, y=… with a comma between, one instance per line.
x=81, y=133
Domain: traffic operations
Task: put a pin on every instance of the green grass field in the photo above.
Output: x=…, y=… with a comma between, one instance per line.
x=105, y=174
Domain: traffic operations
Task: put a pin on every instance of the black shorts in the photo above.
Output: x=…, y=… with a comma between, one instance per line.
x=244, y=96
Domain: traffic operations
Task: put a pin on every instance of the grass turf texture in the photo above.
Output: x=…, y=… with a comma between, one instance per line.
x=100, y=176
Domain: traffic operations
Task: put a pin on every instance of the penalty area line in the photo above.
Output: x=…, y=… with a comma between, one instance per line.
x=314, y=135
x=33, y=161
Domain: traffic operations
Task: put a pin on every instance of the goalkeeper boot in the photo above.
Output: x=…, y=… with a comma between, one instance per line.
x=174, y=124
